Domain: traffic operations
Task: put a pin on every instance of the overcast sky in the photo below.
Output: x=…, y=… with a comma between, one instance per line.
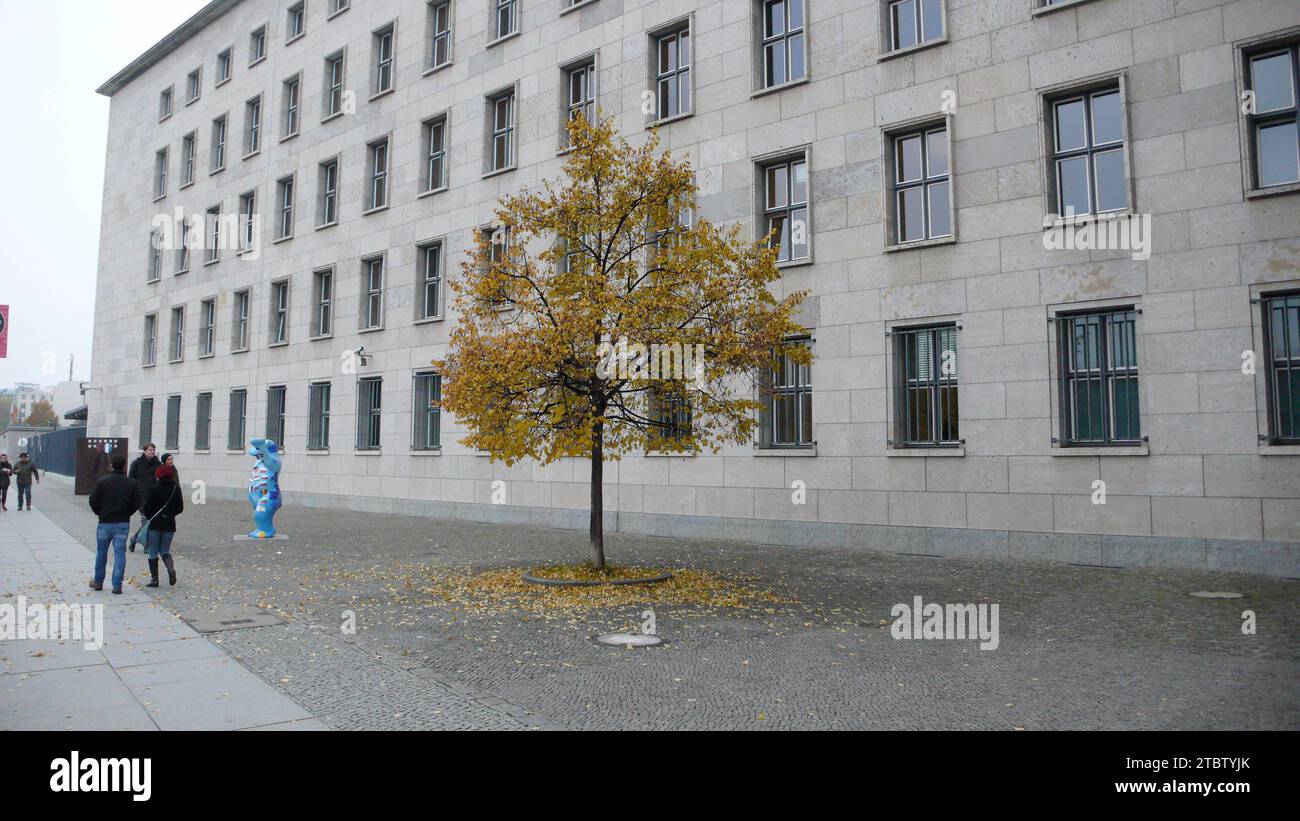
x=56, y=53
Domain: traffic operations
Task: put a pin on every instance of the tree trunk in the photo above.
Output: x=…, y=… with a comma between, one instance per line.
x=598, y=497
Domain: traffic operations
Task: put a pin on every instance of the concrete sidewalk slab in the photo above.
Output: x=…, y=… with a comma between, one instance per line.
x=153, y=671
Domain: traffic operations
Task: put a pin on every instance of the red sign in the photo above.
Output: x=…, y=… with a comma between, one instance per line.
x=4, y=331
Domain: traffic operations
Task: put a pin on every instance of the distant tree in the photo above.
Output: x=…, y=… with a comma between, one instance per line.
x=554, y=308
x=43, y=415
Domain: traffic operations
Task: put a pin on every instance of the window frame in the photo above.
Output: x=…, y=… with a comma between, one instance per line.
x=329, y=109
x=423, y=281
x=237, y=442
x=176, y=335
x=207, y=327
x=252, y=126
x=1245, y=52
x=149, y=341
x=762, y=41
x=166, y=102
x=277, y=332
x=1066, y=424
x=194, y=86
x=189, y=141
x=172, y=425
x=145, y=431
x=377, y=190
x=379, y=62
x=286, y=202
x=440, y=121
x=787, y=159
x=1087, y=88
x=657, y=74
x=588, y=67
x=203, y=421
x=226, y=60
x=327, y=197
x=495, y=8
x=295, y=26
x=493, y=131
x=291, y=116
x=318, y=415
x=770, y=394
x=891, y=137
x=372, y=299
x=257, y=44
x=431, y=416
x=220, y=138
x=241, y=321
x=276, y=415
x=1274, y=435
x=322, y=303
x=373, y=414
x=249, y=229
x=433, y=34
x=901, y=386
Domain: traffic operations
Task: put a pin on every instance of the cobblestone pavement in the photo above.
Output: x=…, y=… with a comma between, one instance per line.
x=1080, y=648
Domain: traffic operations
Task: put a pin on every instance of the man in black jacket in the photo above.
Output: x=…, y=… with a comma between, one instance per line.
x=142, y=470
x=114, y=499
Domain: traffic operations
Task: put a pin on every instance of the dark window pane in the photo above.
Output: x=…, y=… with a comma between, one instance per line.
x=1071, y=133
x=1278, y=162
x=1106, y=121
x=936, y=153
x=911, y=219
x=904, y=23
x=1109, y=170
x=1072, y=184
x=940, y=225
x=931, y=20
x=909, y=159
x=778, y=195
x=1126, y=410
x=796, y=57
x=799, y=183
x=1272, y=82
x=798, y=233
x=775, y=18
x=774, y=60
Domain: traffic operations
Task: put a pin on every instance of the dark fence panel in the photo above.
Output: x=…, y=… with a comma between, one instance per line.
x=56, y=451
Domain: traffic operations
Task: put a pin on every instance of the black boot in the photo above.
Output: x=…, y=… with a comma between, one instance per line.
x=153, y=573
x=171, y=568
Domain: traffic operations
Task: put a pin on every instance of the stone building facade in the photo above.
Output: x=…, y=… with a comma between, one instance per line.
x=1112, y=387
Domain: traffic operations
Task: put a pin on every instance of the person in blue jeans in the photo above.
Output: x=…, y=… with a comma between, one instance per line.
x=114, y=499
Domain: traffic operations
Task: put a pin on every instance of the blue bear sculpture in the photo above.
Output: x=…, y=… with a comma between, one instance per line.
x=264, y=487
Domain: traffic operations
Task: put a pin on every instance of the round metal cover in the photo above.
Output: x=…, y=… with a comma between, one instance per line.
x=629, y=640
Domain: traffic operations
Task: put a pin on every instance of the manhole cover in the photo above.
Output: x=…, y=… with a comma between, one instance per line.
x=1209, y=594
x=629, y=640
x=218, y=621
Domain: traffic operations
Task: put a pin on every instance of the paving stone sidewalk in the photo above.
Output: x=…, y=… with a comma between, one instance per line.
x=1080, y=648
x=153, y=672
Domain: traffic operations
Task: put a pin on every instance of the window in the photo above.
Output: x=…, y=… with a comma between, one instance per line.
x=248, y=221
x=670, y=415
x=372, y=294
x=223, y=66
x=377, y=196
x=183, y=250
x=334, y=67
x=322, y=298
x=435, y=149
x=173, y=422
x=430, y=284
x=275, y=415
x=214, y=234
x=785, y=207
x=1088, y=153
x=165, y=103
x=160, y=174
x=505, y=19
x=1272, y=122
x=439, y=34
x=914, y=22
x=329, y=192
x=189, y=152
x=501, y=138
x=150, y=353
x=672, y=64
x=297, y=24
x=580, y=96
x=253, y=126
x=203, y=422
x=338, y=7
x=218, y=144
x=1099, y=378
x=368, y=412
x=382, y=49
x=146, y=420
x=786, y=418
x=925, y=387
x=207, y=327
x=155, y=256
x=178, y=334
x=235, y=425
x=921, y=200
x=257, y=46
x=239, y=333
x=279, y=312
x=1282, y=357
x=292, y=105
x=284, y=226
x=318, y=416
x=784, y=42
x=426, y=392
x=193, y=85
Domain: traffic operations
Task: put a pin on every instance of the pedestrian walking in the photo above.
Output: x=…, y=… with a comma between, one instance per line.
x=164, y=503
x=25, y=472
x=6, y=471
x=113, y=500
x=142, y=471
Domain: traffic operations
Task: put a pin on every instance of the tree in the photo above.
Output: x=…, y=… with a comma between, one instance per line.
x=574, y=307
x=43, y=415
